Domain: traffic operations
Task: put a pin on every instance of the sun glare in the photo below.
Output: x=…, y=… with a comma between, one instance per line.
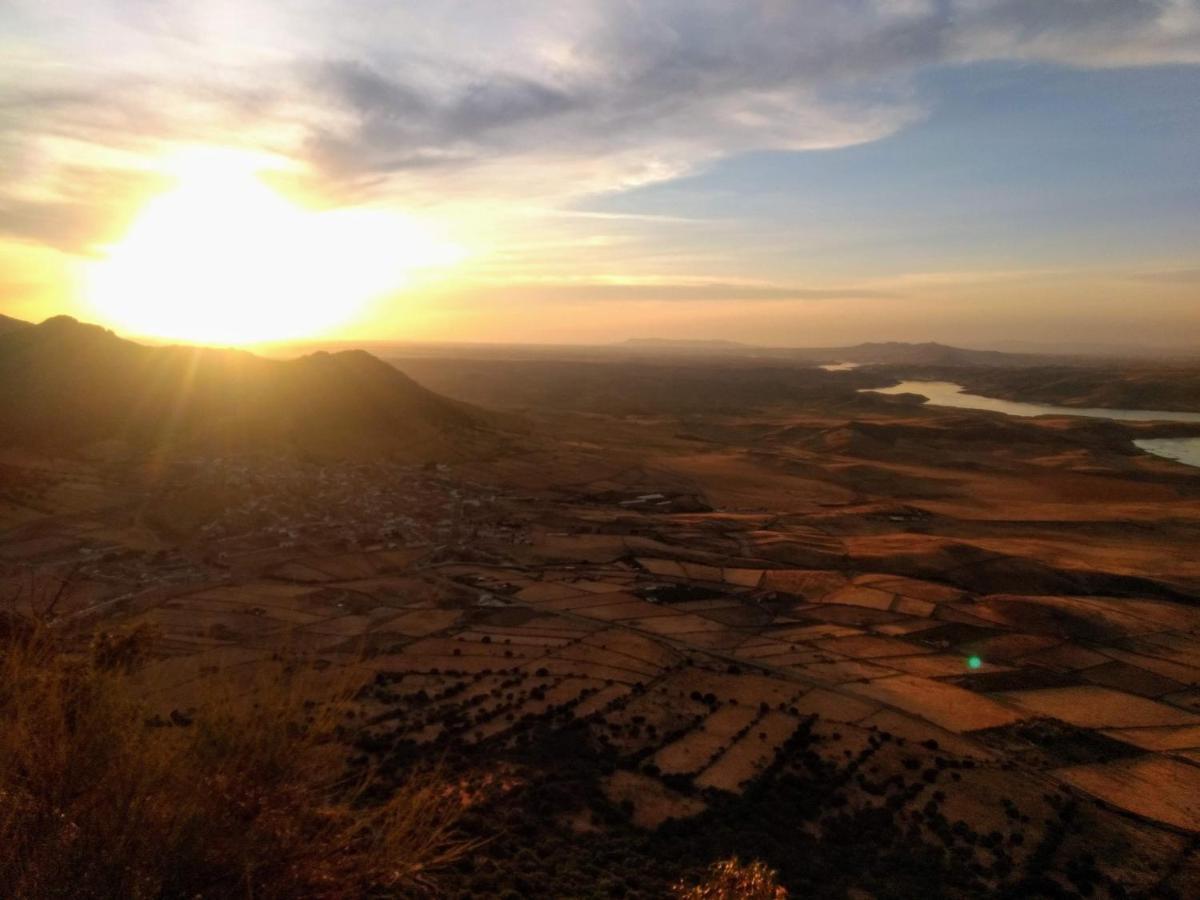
x=223, y=258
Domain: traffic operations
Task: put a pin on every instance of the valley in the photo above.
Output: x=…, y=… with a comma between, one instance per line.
x=884, y=646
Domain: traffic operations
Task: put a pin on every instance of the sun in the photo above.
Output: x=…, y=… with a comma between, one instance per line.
x=223, y=258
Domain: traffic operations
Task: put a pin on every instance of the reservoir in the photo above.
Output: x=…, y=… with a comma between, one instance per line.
x=947, y=393
x=1184, y=450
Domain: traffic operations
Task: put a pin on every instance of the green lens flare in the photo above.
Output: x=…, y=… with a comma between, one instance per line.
x=974, y=662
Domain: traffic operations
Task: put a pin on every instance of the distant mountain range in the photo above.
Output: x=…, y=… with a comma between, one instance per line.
x=69, y=384
x=887, y=353
x=878, y=353
x=929, y=353
x=686, y=344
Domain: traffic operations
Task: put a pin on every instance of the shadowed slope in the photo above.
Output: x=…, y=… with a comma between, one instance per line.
x=8, y=323
x=70, y=383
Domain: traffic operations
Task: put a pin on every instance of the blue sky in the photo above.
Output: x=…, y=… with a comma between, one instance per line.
x=1024, y=165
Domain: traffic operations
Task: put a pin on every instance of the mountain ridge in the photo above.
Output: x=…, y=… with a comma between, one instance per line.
x=864, y=353
x=73, y=383
x=8, y=323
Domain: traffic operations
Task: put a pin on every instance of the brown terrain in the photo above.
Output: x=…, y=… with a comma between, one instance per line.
x=659, y=610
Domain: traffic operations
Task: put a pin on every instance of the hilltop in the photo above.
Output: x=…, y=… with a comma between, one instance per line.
x=70, y=383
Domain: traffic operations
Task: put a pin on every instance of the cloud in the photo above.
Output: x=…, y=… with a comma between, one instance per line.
x=79, y=209
x=437, y=101
x=1093, y=33
x=668, y=291
x=1168, y=276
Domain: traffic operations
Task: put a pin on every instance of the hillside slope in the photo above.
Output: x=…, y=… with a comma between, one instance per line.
x=8, y=323
x=68, y=384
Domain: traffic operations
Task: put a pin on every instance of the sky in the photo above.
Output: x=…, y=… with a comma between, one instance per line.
x=980, y=172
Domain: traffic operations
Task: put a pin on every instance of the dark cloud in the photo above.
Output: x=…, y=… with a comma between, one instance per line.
x=693, y=80
x=369, y=93
x=397, y=127
x=494, y=103
x=1034, y=18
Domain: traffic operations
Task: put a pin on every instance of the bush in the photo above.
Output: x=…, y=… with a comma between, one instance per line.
x=249, y=795
x=733, y=880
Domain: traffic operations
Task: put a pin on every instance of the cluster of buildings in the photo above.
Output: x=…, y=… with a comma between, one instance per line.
x=284, y=504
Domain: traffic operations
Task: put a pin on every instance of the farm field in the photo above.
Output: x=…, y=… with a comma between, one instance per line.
x=826, y=617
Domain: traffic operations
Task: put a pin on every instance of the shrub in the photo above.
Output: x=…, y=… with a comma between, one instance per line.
x=734, y=880
x=249, y=795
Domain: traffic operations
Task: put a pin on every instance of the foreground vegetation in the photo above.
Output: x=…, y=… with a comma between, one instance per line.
x=248, y=796
x=731, y=879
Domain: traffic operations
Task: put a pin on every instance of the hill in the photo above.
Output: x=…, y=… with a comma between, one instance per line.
x=637, y=386
x=8, y=323
x=70, y=384
x=928, y=353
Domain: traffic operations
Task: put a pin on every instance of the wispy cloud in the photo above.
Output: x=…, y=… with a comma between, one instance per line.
x=1168, y=276
x=434, y=102
x=672, y=291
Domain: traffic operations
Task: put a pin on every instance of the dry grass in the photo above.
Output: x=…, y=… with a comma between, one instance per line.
x=734, y=880
x=250, y=797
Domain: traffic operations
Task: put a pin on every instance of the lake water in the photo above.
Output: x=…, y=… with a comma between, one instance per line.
x=839, y=367
x=1184, y=450
x=947, y=393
